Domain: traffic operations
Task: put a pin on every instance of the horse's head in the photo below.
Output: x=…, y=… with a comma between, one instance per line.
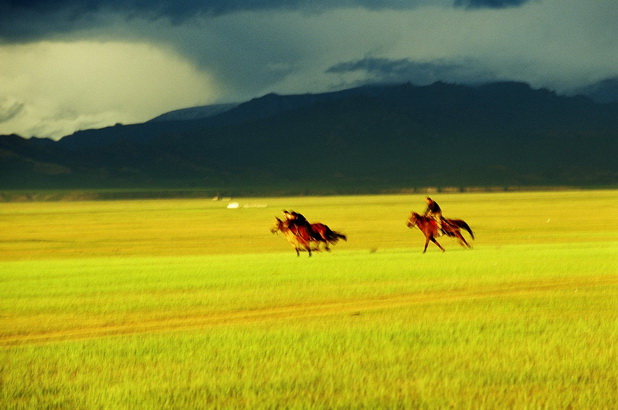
x=413, y=220
x=277, y=226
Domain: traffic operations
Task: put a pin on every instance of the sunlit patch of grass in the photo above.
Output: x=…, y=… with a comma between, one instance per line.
x=61, y=230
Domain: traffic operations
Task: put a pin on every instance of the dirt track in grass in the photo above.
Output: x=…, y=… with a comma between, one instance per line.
x=193, y=320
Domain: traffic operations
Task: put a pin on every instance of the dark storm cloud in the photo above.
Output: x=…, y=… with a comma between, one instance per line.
x=421, y=73
x=28, y=20
x=496, y=4
x=70, y=64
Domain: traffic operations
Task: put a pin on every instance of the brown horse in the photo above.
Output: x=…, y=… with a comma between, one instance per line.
x=327, y=236
x=298, y=236
x=429, y=227
x=304, y=240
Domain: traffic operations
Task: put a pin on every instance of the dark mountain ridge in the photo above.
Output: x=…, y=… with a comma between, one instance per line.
x=194, y=113
x=257, y=108
x=374, y=136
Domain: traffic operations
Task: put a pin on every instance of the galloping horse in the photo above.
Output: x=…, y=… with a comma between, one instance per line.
x=327, y=235
x=303, y=240
x=298, y=237
x=429, y=227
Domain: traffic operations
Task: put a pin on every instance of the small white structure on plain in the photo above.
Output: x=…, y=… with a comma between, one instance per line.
x=233, y=205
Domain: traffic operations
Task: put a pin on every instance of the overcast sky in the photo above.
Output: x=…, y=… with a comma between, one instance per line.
x=75, y=64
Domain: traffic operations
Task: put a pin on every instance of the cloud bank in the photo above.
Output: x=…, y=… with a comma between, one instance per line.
x=66, y=65
x=78, y=85
x=25, y=21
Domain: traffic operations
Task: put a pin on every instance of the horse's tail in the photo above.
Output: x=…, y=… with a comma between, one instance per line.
x=336, y=236
x=333, y=236
x=464, y=225
x=328, y=234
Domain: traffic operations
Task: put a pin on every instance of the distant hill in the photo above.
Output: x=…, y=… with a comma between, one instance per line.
x=195, y=113
x=370, y=138
x=604, y=91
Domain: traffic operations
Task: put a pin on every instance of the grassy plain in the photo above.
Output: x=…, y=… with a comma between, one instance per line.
x=188, y=304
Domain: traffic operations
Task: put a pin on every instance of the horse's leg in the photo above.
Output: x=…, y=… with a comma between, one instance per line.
x=462, y=240
x=306, y=245
x=426, y=243
x=436, y=242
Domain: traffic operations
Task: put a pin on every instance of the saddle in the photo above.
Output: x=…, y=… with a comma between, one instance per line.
x=445, y=230
x=294, y=225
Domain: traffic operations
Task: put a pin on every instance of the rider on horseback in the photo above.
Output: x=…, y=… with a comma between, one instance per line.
x=296, y=220
x=434, y=212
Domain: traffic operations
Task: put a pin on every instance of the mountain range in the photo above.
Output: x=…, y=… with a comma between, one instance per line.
x=364, y=139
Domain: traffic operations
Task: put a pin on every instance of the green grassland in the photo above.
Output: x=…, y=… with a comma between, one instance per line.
x=189, y=304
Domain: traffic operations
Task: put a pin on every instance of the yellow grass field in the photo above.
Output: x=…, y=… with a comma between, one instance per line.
x=53, y=230
x=191, y=304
